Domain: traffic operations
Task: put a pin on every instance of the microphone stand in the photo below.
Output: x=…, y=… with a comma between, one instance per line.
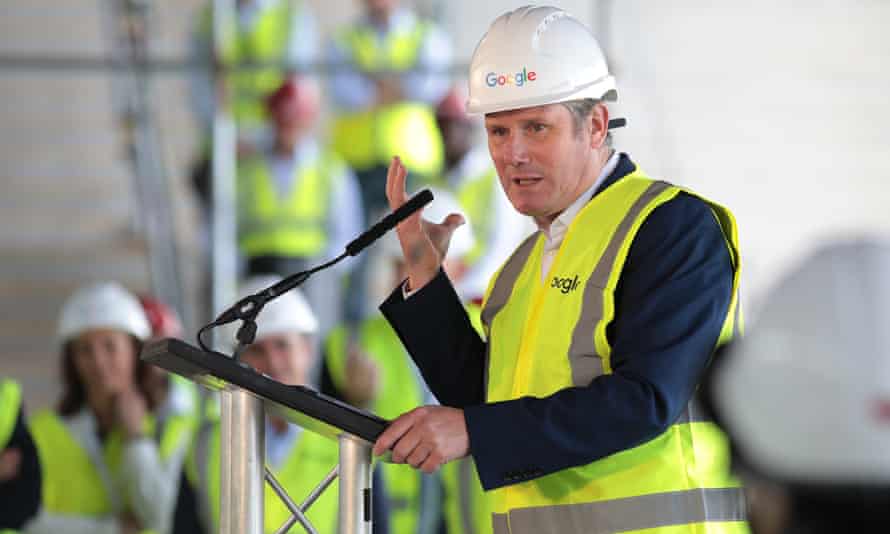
x=247, y=309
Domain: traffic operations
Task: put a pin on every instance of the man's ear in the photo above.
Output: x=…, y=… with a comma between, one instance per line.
x=599, y=125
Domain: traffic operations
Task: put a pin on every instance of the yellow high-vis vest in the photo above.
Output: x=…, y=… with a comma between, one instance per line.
x=466, y=504
x=72, y=483
x=400, y=391
x=679, y=481
x=310, y=459
x=372, y=137
x=10, y=403
x=294, y=225
x=265, y=45
x=475, y=196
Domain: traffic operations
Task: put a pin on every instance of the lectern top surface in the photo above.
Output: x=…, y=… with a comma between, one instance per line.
x=300, y=405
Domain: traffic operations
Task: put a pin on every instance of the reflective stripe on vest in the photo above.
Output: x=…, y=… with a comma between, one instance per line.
x=295, y=225
x=400, y=391
x=684, y=471
x=10, y=402
x=372, y=137
x=476, y=196
x=644, y=512
x=265, y=43
x=308, y=462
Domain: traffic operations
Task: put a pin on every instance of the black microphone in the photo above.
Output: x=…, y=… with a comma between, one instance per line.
x=389, y=222
x=250, y=306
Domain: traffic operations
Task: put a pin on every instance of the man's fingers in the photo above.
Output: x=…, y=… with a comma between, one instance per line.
x=394, y=432
x=431, y=464
x=406, y=446
x=395, y=183
x=453, y=220
x=419, y=455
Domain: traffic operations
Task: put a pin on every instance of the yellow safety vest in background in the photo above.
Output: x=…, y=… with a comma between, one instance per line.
x=310, y=459
x=10, y=402
x=72, y=484
x=679, y=481
x=265, y=43
x=400, y=391
x=475, y=196
x=372, y=137
x=467, y=510
x=294, y=225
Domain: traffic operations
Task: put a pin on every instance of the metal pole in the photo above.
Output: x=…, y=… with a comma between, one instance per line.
x=355, y=486
x=224, y=267
x=242, y=455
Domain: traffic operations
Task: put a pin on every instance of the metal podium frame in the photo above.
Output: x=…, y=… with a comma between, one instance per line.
x=245, y=397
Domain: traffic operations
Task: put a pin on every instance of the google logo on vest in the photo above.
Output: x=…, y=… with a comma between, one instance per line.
x=518, y=79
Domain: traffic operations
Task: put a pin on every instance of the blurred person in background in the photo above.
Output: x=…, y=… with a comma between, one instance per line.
x=805, y=397
x=497, y=227
x=19, y=465
x=178, y=407
x=389, y=73
x=102, y=470
x=298, y=203
x=373, y=370
x=279, y=33
x=284, y=350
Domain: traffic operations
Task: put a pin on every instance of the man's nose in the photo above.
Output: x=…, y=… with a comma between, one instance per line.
x=517, y=151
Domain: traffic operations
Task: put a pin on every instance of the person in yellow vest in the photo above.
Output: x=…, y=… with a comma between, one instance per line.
x=578, y=404
x=284, y=350
x=298, y=203
x=178, y=406
x=389, y=72
x=102, y=470
x=19, y=466
x=280, y=33
x=374, y=371
x=497, y=227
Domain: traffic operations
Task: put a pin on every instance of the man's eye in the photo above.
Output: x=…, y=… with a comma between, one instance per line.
x=538, y=127
x=498, y=131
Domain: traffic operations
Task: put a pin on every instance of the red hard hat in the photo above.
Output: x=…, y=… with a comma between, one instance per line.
x=295, y=100
x=454, y=104
x=163, y=320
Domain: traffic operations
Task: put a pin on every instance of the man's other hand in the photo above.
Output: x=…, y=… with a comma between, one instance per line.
x=426, y=438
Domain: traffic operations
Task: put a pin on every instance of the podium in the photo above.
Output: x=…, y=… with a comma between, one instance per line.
x=245, y=397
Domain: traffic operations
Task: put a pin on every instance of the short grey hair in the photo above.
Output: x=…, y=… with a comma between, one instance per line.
x=581, y=110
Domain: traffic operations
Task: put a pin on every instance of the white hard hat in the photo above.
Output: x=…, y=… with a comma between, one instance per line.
x=286, y=314
x=103, y=305
x=537, y=55
x=444, y=203
x=806, y=396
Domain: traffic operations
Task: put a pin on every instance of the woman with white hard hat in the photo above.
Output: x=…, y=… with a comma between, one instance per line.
x=102, y=470
x=805, y=397
x=285, y=351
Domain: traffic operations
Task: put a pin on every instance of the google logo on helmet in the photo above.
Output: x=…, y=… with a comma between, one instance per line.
x=493, y=79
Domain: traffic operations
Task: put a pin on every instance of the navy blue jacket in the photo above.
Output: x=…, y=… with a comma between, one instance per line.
x=20, y=496
x=670, y=304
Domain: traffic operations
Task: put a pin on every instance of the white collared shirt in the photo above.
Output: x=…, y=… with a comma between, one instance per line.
x=558, y=228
